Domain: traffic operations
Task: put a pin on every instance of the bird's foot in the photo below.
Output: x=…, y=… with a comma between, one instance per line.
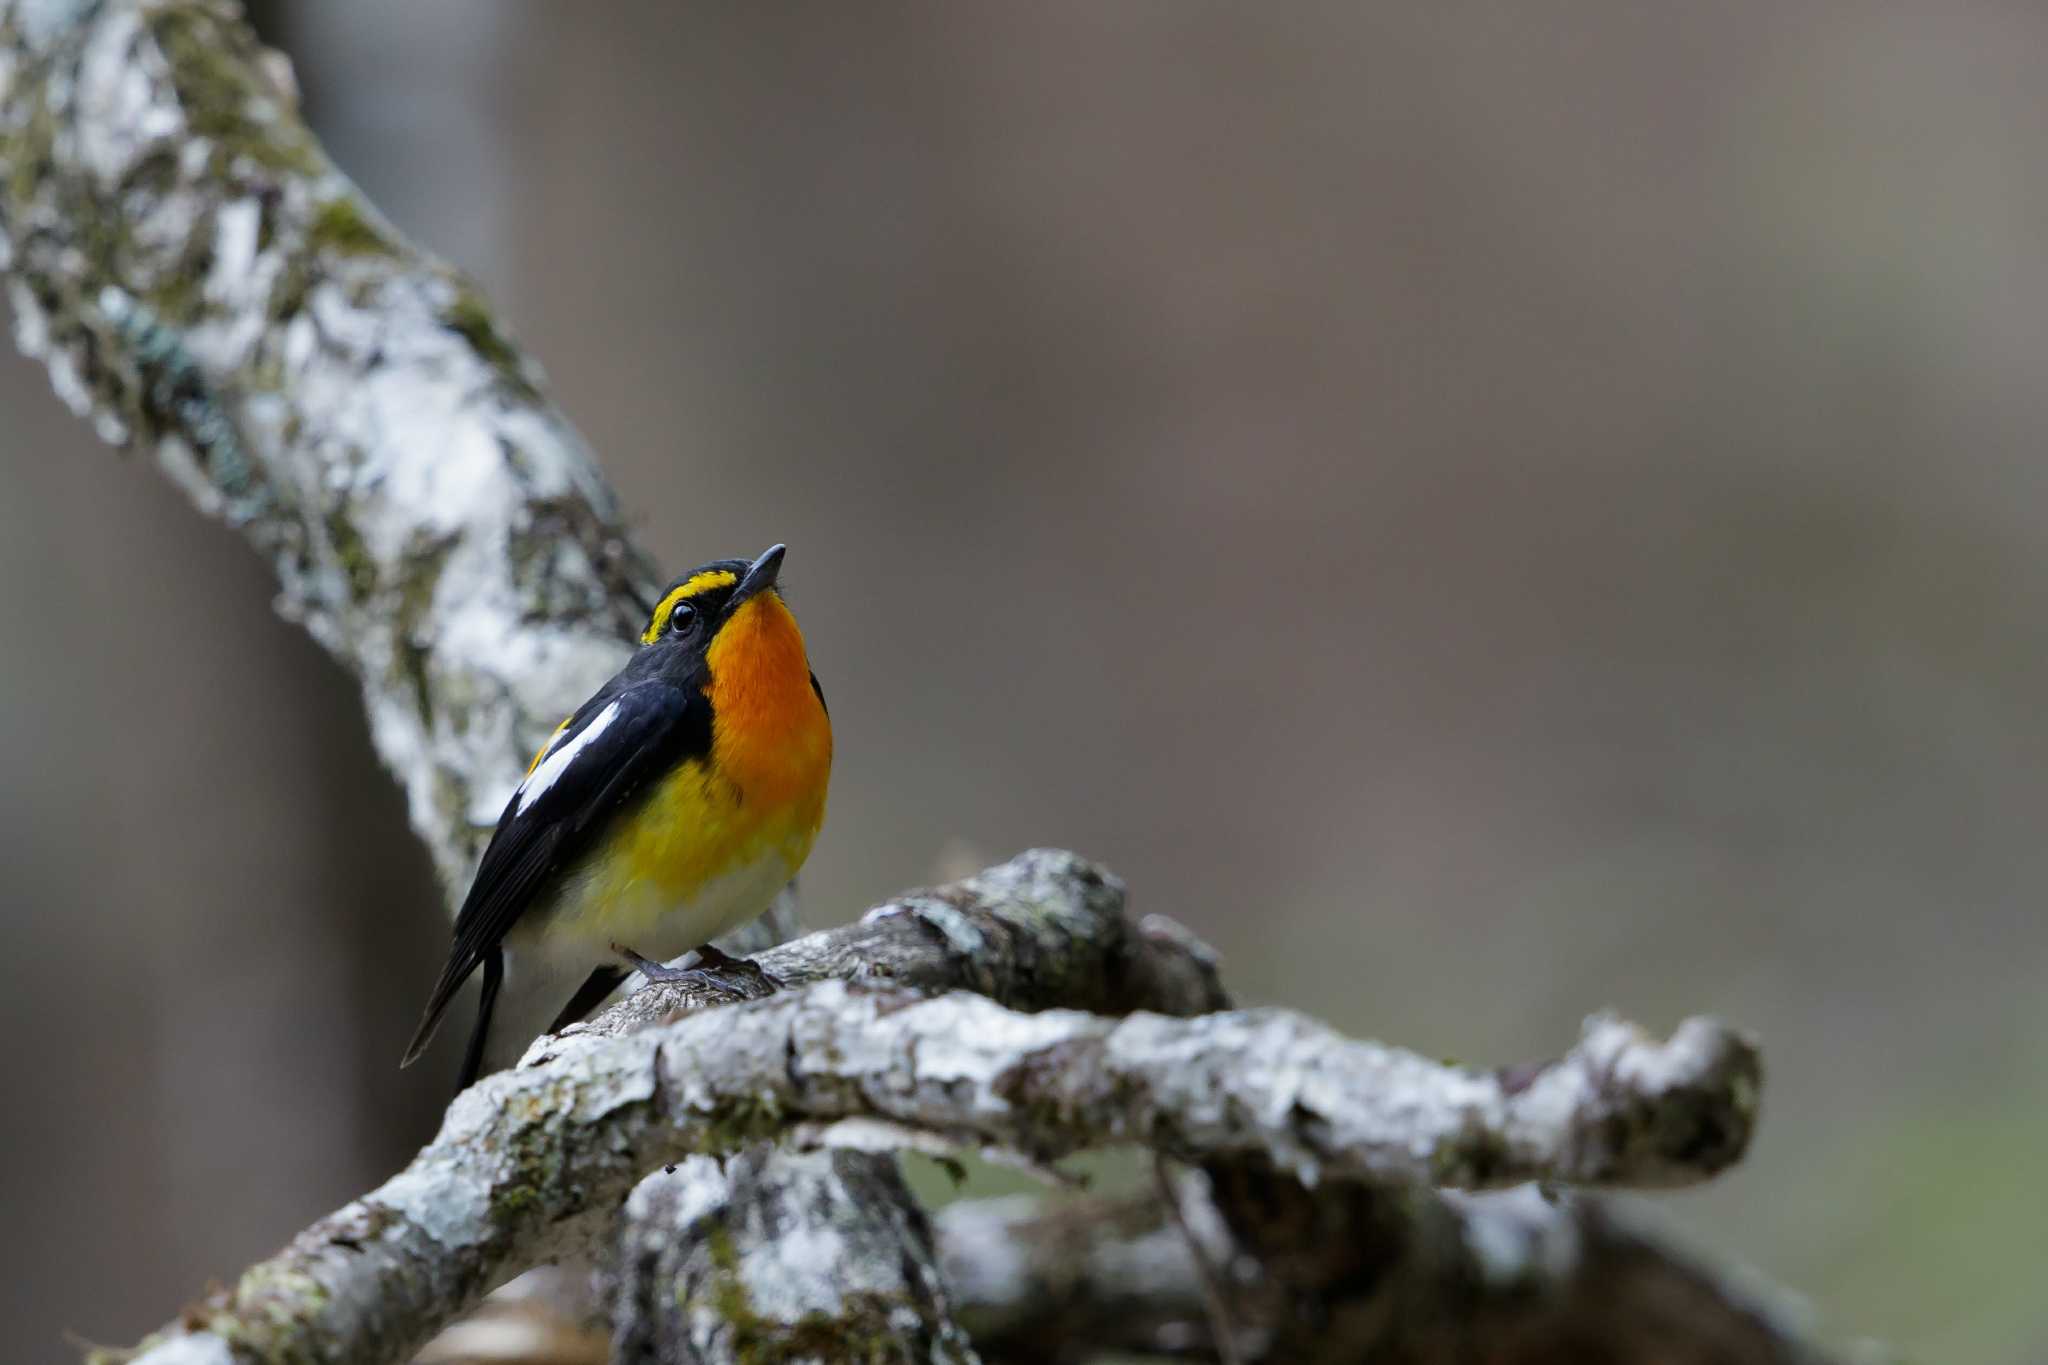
x=713, y=970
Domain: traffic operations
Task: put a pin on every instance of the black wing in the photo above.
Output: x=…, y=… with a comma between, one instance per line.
x=630, y=734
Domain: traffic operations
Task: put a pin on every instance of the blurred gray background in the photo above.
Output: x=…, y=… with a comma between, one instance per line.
x=1486, y=511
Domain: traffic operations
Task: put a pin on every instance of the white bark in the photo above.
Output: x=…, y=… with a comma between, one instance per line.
x=531, y=1159
x=519, y=1175
x=818, y=1256
x=205, y=285
x=816, y=1248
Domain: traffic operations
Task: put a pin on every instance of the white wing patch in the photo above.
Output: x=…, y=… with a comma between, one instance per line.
x=557, y=763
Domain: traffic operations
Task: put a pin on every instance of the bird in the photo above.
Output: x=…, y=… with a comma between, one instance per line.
x=671, y=807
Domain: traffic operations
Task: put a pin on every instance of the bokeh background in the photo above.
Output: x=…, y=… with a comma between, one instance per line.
x=1484, y=510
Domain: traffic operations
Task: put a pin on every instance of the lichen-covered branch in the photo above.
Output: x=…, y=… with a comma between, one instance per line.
x=803, y=1255
x=1044, y=930
x=525, y=1158
x=204, y=284
x=779, y=1256
x=1515, y=1277
x=811, y=1249
x=567, y=1313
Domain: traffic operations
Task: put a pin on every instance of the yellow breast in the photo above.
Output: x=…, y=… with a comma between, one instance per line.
x=712, y=844
x=690, y=862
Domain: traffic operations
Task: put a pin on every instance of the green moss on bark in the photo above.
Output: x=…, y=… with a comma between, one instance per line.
x=862, y=1332
x=340, y=226
x=216, y=66
x=356, y=565
x=469, y=317
x=419, y=574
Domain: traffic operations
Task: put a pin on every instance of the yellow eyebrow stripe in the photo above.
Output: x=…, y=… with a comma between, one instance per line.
x=688, y=588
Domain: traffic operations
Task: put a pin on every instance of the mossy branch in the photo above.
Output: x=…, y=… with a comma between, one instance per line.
x=204, y=285
x=529, y=1159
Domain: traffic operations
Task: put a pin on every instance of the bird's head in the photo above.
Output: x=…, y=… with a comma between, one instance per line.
x=695, y=611
x=726, y=623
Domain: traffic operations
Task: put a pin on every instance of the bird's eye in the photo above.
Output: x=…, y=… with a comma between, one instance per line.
x=682, y=618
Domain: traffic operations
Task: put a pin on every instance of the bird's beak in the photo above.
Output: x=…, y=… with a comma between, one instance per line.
x=760, y=577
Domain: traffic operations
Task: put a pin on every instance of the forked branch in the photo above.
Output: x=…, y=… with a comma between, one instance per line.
x=532, y=1162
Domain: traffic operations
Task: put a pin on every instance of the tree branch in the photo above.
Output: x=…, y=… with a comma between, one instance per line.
x=818, y=1247
x=1050, y=1283
x=530, y=1162
x=1508, y=1277
x=759, y=1206
x=1041, y=930
x=1044, y=930
x=203, y=283
x=777, y=1255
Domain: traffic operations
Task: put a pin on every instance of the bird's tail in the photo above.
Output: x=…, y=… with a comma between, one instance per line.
x=473, y=1055
x=452, y=976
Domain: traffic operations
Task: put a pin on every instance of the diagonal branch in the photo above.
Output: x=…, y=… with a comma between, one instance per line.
x=206, y=286
x=529, y=1162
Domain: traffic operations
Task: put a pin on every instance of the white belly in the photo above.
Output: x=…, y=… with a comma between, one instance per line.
x=553, y=948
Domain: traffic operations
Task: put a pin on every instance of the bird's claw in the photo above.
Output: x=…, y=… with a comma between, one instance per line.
x=713, y=970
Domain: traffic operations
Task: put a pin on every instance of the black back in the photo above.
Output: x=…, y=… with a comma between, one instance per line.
x=636, y=729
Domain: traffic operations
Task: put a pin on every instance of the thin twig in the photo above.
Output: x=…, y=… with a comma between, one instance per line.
x=1215, y=1295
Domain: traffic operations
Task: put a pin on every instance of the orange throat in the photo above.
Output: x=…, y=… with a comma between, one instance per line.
x=770, y=738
